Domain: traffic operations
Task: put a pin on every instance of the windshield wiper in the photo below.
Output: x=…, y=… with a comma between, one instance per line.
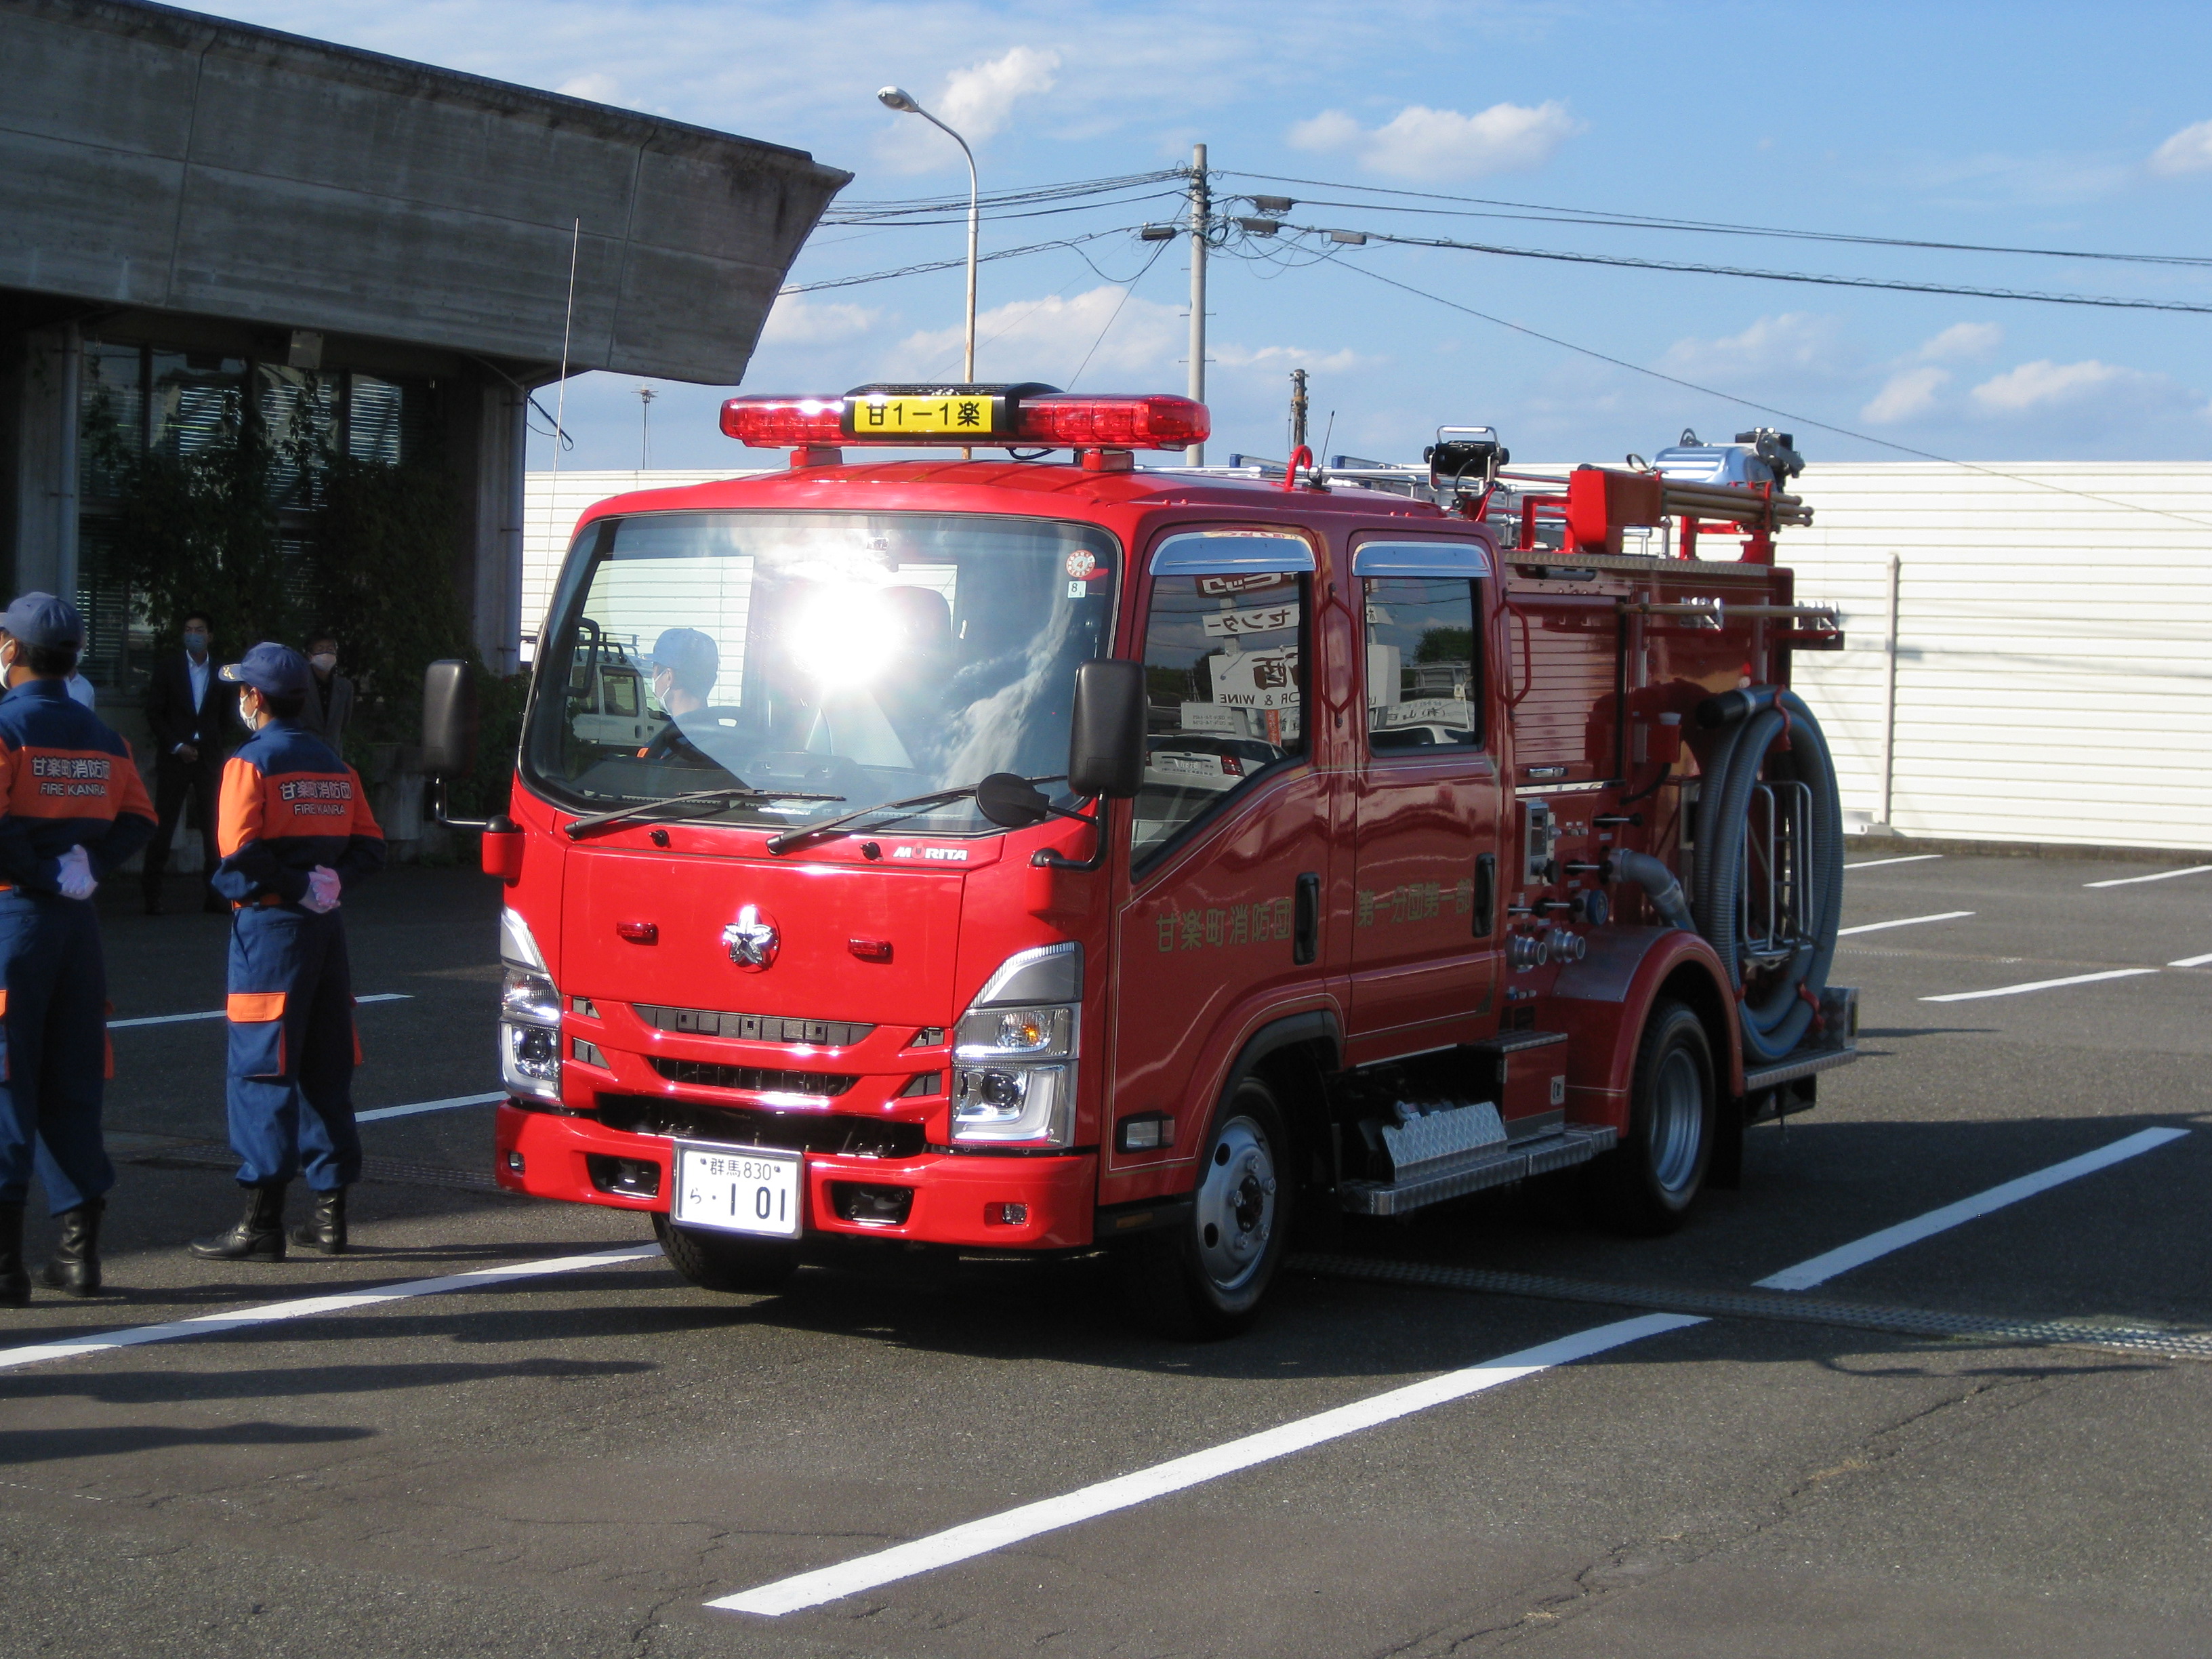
x=574, y=829
x=910, y=807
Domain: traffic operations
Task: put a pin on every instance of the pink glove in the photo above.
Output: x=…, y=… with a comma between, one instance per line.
x=323, y=886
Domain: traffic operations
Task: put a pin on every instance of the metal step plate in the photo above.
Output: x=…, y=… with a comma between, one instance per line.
x=1492, y=1166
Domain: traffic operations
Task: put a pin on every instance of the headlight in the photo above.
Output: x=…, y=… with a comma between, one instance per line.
x=1013, y=1080
x=1027, y=1103
x=528, y=1016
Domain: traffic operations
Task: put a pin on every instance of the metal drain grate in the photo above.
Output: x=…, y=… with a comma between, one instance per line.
x=1759, y=1304
x=395, y=1171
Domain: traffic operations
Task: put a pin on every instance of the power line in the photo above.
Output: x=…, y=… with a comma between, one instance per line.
x=1708, y=227
x=1769, y=408
x=926, y=265
x=2105, y=301
x=866, y=212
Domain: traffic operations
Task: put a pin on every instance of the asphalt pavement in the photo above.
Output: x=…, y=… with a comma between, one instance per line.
x=580, y=1456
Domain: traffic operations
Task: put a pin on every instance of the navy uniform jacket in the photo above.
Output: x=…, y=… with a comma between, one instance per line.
x=66, y=780
x=289, y=803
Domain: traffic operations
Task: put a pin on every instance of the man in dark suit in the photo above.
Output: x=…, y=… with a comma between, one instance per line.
x=187, y=709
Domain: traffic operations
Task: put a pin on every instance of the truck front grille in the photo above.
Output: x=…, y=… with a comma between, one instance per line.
x=742, y=1125
x=757, y=1080
x=753, y=1028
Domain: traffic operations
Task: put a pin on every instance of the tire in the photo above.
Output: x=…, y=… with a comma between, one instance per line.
x=1204, y=1278
x=724, y=1261
x=1646, y=1185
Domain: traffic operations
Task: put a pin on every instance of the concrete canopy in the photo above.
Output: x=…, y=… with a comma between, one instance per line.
x=156, y=158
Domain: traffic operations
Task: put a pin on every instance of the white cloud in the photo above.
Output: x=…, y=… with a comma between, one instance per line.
x=1910, y=392
x=1420, y=143
x=797, y=320
x=1962, y=340
x=1046, y=339
x=1287, y=358
x=599, y=88
x=978, y=100
x=2043, y=384
x=1796, y=342
x=2189, y=150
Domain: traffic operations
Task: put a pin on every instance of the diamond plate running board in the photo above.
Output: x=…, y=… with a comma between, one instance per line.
x=1493, y=1166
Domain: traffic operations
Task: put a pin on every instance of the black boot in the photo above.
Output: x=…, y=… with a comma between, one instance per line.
x=260, y=1234
x=325, y=1229
x=15, y=1283
x=74, y=1266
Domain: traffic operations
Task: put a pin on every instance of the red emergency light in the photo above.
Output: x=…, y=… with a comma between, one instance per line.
x=998, y=417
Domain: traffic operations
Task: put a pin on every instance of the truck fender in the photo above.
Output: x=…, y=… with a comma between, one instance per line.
x=1605, y=997
x=1318, y=1029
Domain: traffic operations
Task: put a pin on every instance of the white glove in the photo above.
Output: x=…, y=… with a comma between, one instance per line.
x=323, y=885
x=76, y=880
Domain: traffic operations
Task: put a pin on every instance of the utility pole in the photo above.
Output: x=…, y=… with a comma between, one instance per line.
x=1297, y=410
x=1201, y=210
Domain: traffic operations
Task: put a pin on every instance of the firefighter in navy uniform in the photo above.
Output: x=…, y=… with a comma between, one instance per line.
x=294, y=831
x=71, y=809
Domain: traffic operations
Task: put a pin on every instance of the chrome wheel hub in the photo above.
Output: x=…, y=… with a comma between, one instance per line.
x=1236, y=1205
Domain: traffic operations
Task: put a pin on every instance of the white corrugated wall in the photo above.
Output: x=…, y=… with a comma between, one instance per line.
x=2054, y=647
x=2053, y=651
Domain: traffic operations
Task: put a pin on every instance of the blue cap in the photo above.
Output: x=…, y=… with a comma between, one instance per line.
x=690, y=656
x=271, y=668
x=40, y=620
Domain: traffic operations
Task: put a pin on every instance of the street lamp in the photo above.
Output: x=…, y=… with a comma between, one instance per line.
x=899, y=99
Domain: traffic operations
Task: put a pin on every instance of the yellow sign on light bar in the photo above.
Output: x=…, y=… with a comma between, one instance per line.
x=942, y=415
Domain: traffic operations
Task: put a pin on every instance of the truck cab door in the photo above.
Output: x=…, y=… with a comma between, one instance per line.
x=1427, y=799
x=1229, y=842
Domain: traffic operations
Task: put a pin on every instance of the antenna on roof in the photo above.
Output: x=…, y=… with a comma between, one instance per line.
x=561, y=400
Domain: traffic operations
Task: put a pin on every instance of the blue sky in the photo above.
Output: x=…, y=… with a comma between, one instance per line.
x=2070, y=127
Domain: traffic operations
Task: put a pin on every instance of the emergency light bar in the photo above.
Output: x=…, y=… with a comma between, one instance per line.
x=1009, y=415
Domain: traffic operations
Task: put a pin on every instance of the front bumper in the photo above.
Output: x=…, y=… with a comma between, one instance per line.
x=955, y=1194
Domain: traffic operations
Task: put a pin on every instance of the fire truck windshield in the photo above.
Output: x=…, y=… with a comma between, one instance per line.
x=860, y=658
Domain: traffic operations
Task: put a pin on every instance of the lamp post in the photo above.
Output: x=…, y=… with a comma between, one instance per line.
x=898, y=99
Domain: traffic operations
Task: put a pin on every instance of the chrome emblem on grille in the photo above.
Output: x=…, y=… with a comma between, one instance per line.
x=752, y=940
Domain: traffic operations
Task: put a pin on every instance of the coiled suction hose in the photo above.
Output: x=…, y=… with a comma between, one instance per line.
x=1748, y=722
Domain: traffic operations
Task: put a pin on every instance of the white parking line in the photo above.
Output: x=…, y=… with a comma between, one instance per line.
x=1822, y=1268
x=2163, y=875
x=975, y=1538
x=2192, y=962
x=428, y=1106
x=219, y=1013
x=1902, y=921
x=1875, y=864
x=996, y=1532
x=2039, y=984
x=309, y=1307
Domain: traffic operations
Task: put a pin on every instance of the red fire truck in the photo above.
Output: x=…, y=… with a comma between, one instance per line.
x=1050, y=855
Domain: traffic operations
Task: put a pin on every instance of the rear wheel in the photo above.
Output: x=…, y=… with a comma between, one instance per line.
x=1206, y=1276
x=1647, y=1184
x=725, y=1262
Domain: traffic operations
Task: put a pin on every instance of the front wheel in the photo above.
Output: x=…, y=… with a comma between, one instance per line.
x=1647, y=1184
x=725, y=1262
x=1206, y=1276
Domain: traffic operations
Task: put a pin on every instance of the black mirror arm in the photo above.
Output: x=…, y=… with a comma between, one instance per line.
x=1047, y=858
x=438, y=810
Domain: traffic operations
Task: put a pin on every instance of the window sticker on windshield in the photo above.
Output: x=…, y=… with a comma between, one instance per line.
x=1081, y=562
x=1254, y=581
x=1078, y=590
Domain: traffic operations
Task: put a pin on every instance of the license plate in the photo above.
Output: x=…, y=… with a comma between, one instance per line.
x=948, y=415
x=738, y=1189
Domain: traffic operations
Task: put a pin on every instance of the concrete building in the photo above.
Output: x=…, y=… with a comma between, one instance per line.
x=202, y=221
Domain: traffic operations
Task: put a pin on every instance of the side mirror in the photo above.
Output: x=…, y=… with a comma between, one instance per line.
x=449, y=719
x=1106, y=735
x=1011, y=802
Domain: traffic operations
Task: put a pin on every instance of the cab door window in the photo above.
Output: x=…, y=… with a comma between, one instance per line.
x=1422, y=689
x=1225, y=672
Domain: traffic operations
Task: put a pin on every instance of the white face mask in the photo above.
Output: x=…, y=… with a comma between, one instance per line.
x=245, y=712
x=325, y=661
